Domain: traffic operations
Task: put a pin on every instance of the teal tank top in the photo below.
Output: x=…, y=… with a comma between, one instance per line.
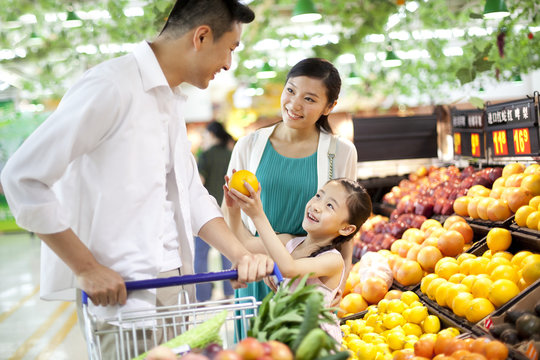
x=287, y=185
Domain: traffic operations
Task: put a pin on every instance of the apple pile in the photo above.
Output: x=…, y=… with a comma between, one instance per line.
x=380, y=232
x=434, y=193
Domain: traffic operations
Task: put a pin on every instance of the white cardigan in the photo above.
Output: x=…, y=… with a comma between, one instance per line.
x=248, y=151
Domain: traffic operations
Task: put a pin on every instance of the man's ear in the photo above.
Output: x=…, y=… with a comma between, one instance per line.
x=347, y=230
x=202, y=34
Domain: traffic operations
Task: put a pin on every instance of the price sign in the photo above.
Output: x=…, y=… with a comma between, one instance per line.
x=468, y=130
x=475, y=144
x=457, y=143
x=500, y=144
x=522, y=142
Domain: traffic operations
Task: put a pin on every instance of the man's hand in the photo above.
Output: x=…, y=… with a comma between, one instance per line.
x=252, y=267
x=103, y=286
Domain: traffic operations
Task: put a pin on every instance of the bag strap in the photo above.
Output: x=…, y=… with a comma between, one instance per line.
x=331, y=155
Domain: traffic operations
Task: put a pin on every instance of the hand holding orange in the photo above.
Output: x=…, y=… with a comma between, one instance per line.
x=237, y=181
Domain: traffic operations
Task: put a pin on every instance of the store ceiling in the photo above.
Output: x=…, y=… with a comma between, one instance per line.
x=441, y=43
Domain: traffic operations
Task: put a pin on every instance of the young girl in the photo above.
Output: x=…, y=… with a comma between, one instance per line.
x=331, y=218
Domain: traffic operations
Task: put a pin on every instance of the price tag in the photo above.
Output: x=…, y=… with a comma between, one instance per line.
x=457, y=143
x=475, y=144
x=522, y=141
x=500, y=144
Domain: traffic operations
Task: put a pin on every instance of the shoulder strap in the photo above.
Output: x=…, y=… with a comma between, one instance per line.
x=331, y=155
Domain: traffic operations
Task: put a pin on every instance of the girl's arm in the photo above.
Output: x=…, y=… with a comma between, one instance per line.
x=325, y=265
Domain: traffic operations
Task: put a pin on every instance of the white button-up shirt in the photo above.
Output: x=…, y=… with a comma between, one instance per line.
x=98, y=165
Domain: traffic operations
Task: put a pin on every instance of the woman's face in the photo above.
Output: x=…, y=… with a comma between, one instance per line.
x=303, y=101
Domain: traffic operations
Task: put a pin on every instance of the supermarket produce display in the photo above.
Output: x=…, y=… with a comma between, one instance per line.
x=475, y=267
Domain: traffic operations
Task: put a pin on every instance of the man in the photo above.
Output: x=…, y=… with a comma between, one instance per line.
x=108, y=181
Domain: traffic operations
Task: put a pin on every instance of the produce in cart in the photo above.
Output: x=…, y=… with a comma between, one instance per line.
x=296, y=318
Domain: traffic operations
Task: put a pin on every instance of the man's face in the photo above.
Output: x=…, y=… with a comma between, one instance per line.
x=215, y=56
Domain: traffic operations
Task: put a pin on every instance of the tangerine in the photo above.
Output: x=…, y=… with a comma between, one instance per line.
x=496, y=350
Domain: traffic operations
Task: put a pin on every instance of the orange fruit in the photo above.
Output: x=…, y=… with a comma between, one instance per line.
x=478, y=309
x=502, y=291
x=453, y=291
x=429, y=223
x=535, y=202
x=532, y=220
x=353, y=303
x=446, y=269
x=461, y=204
x=496, y=350
x=505, y=272
x=494, y=262
x=456, y=278
x=504, y=254
x=468, y=281
x=428, y=257
x=529, y=259
x=479, y=266
x=522, y=214
x=464, y=229
x=531, y=272
x=531, y=182
x=451, y=220
x=518, y=258
x=461, y=302
x=451, y=243
x=442, y=292
x=426, y=280
x=481, y=287
x=238, y=178
x=432, y=287
x=465, y=256
x=513, y=168
x=532, y=169
x=498, y=239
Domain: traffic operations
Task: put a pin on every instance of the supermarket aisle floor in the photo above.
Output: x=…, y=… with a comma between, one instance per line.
x=31, y=328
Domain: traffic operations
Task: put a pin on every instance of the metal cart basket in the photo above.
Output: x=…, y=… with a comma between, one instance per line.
x=135, y=332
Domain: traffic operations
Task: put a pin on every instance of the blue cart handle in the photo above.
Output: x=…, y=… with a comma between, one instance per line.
x=185, y=280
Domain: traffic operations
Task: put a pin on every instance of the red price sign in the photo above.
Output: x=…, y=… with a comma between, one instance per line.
x=500, y=143
x=457, y=143
x=522, y=141
x=475, y=144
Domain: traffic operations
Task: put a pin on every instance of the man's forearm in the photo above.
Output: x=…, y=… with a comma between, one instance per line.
x=71, y=250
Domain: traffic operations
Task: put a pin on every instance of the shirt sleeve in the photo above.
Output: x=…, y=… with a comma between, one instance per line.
x=83, y=118
x=203, y=206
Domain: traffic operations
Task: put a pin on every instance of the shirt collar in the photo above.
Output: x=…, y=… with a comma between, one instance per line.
x=151, y=74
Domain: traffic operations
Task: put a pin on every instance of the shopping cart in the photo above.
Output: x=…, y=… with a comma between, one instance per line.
x=135, y=332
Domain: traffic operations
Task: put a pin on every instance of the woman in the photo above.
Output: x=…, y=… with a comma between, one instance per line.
x=291, y=158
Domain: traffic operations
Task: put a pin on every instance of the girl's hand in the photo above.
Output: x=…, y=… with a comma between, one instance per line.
x=229, y=201
x=251, y=205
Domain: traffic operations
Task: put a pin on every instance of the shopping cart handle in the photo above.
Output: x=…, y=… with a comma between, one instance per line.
x=185, y=280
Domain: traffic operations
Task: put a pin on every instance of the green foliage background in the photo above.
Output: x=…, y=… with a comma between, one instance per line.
x=56, y=59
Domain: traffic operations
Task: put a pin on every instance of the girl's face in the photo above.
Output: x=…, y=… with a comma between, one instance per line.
x=327, y=214
x=303, y=101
